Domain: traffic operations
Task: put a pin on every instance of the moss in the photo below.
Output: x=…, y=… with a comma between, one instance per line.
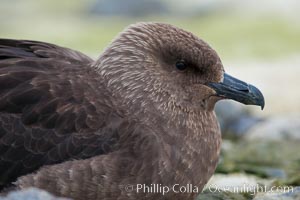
x=263, y=159
x=207, y=195
x=233, y=36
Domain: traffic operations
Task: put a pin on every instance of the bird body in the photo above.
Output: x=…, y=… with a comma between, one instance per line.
x=136, y=116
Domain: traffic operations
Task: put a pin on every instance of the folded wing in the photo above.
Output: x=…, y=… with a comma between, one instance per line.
x=52, y=108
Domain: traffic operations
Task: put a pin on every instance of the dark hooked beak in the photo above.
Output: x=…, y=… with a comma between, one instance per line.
x=232, y=88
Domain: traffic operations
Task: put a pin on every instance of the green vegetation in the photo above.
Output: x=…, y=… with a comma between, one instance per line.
x=272, y=160
x=68, y=24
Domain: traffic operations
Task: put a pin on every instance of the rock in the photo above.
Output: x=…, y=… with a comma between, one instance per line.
x=232, y=186
x=243, y=186
x=288, y=193
x=235, y=183
x=235, y=120
x=207, y=195
x=276, y=129
x=31, y=194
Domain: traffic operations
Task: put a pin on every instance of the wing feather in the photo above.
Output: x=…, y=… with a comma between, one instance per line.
x=51, y=108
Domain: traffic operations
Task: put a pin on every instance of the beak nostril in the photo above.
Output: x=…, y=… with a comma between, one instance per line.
x=232, y=88
x=245, y=90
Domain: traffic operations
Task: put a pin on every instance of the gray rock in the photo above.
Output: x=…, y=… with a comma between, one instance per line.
x=234, y=119
x=291, y=193
x=31, y=194
x=236, y=183
x=276, y=129
x=207, y=195
x=230, y=186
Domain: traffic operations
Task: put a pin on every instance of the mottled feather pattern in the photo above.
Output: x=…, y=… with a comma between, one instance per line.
x=44, y=109
x=85, y=129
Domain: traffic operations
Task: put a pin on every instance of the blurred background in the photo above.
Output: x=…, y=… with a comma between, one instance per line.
x=258, y=41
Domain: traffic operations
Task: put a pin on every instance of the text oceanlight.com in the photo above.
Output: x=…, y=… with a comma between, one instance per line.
x=189, y=188
x=250, y=189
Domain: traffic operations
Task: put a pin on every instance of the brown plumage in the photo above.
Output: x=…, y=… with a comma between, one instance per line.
x=140, y=114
